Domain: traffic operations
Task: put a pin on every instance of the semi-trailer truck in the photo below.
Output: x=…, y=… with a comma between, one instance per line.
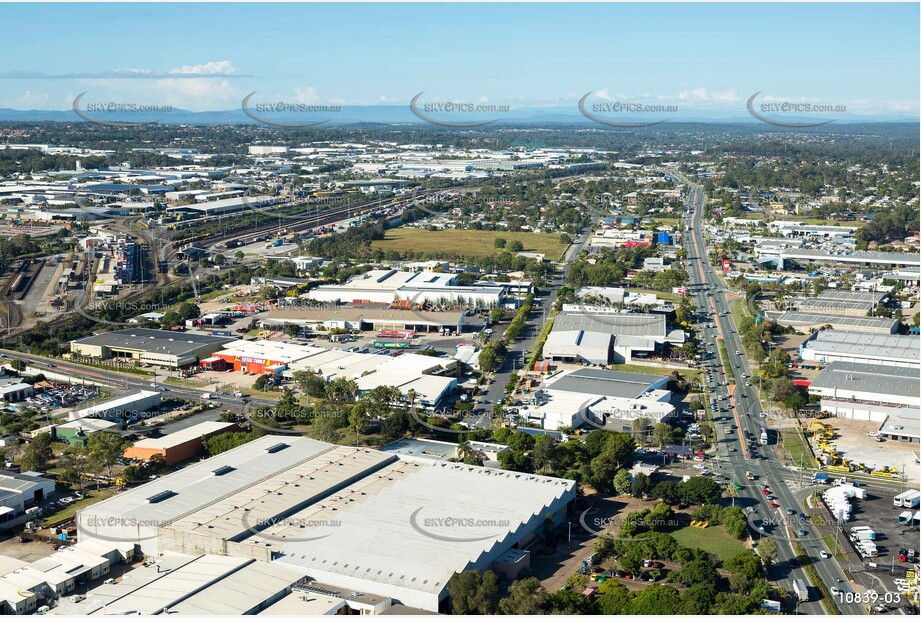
x=862, y=534
x=800, y=590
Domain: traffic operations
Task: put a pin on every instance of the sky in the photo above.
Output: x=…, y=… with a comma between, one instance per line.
x=706, y=57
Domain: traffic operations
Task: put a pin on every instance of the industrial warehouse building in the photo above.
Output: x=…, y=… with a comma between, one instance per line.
x=19, y=493
x=24, y=586
x=353, y=518
x=150, y=346
x=390, y=285
x=77, y=432
x=190, y=585
x=853, y=258
x=179, y=446
x=804, y=322
x=828, y=346
x=866, y=392
x=431, y=378
x=371, y=318
x=599, y=398
x=578, y=346
x=841, y=302
x=580, y=333
x=120, y=410
x=261, y=356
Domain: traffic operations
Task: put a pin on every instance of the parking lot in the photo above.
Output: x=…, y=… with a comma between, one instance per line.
x=878, y=574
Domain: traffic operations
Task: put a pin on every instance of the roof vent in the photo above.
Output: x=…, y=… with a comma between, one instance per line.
x=222, y=470
x=276, y=447
x=160, y=497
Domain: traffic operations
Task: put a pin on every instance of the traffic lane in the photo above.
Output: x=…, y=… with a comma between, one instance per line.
x=125, y=381
x=719, y=302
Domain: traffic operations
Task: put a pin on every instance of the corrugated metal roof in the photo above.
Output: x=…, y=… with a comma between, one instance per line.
x=872, y=379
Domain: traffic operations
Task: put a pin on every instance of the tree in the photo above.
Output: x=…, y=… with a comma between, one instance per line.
x=171, y=318
x=655, y=599
x=328, y=423
x=133, y=474
x=744, y=569
x=73, y=466
x=474, y=593
x=525, y=597
x=622, y=482
x=341, y=389
x=220, y=443
x=488, y=358
x=263, y=382
x=37, y=455
x=104, y=449
x=666, y=491
x=733, y=519
x=188, y=311
x=700, y=572
x=595, y=442
x=767, y=549
x=515, y=246
x=661, y=434
x=699, y=490
x=697, y=599
x=707, y=431
x=569, y=602
x=615, y=597
x=543, y=452
x=499, y=243
x=640, y=429
x=641, y=485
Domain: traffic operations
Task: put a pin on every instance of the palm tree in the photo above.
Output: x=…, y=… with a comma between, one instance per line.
x=465, y=449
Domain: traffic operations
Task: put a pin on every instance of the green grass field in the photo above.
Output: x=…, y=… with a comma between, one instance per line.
x=727, y=362
x=713, y=540
x=71, y=510
x=473, y=243
x=794, y=443
x=740, y=310
x=692, y=375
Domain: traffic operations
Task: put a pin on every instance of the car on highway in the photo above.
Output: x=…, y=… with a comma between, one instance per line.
x=774, y=505
x=791, y=512
x=824, y=554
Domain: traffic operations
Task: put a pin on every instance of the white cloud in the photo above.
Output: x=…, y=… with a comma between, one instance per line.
x=702, y=94
x=31, y=100
x=220, y=67
x=307, y=96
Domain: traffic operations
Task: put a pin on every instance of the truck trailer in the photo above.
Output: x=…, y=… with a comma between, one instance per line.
x=912, y=500
x=800, y=590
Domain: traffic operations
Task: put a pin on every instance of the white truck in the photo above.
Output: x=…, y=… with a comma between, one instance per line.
x=800, y=590
x=862, y=533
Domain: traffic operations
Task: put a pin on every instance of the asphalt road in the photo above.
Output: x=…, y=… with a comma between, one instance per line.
x=520, y=350
x=741, y=411
x=127, y=382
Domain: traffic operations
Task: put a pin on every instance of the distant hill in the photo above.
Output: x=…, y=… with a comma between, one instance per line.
x=387, y=114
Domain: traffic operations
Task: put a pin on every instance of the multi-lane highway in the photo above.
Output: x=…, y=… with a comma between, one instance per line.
x=739, y=424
